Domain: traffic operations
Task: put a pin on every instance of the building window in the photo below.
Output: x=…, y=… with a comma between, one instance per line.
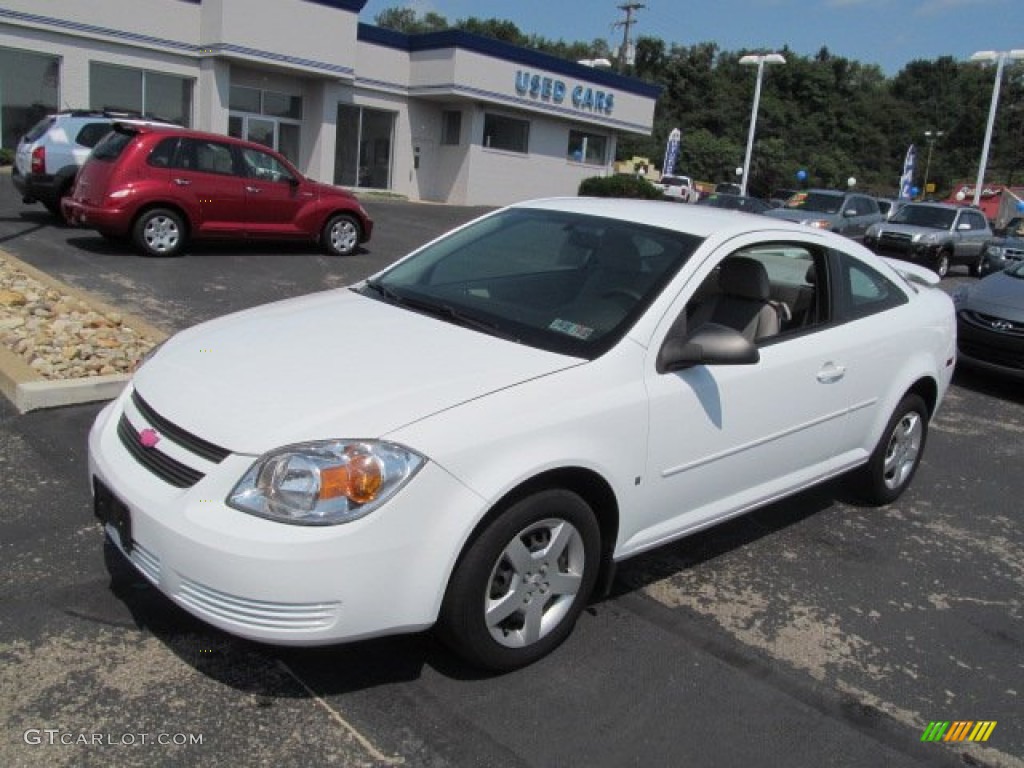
x=363, y=150
x=28, y=92
x=588, y=148
x=506, y=133
x=260, y=102
x=155, y=94
x=451, y=127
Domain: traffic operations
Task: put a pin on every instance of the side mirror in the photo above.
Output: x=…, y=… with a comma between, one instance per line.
x=710, y=344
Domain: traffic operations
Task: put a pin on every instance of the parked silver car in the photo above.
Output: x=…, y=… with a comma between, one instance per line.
x=937, y=235
x=847, y=213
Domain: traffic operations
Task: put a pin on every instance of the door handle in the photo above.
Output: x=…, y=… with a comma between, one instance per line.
x=182, y=182
x=831, y=373
x=253, y=189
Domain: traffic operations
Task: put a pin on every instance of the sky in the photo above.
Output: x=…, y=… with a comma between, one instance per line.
x=889, y=33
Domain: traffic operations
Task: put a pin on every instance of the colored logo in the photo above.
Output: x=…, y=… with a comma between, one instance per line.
x=958, y=730
x=149, y=437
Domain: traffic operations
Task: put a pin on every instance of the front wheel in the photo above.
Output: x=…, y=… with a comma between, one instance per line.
x=159, y=232
x=942, y=262
x=340, y=235
x=978, y=268
x=898, y=454
x=521, y=584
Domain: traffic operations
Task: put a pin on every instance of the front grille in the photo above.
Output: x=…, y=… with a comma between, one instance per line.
x=160, y=464
x=173, y=432
x=894, y=238
x=993, y=324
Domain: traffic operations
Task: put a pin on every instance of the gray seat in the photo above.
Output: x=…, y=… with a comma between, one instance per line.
x=743, y=301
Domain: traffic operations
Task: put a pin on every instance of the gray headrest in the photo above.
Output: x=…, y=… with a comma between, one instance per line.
x=744, y=278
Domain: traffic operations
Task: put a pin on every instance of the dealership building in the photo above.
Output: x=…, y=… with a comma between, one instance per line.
x=446, y=116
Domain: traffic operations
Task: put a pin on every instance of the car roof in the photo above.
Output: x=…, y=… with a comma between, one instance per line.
x=700, y=220
x=143, y=127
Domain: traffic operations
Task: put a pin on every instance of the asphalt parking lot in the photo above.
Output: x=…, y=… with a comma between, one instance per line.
x=812, y=632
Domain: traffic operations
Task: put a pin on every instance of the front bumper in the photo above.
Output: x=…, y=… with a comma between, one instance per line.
x=275, y=582
x=980, y=345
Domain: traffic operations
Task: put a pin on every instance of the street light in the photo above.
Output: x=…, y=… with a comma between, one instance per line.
x=760, y=59
x=931, y=137
x=1000, y=58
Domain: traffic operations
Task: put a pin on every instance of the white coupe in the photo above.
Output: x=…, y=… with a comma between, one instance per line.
x=473, y=437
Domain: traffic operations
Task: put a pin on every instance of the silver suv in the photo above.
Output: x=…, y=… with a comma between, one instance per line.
x=49, y=155
x=938, y=235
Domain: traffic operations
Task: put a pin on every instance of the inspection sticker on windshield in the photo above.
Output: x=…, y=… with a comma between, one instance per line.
x=572, y=329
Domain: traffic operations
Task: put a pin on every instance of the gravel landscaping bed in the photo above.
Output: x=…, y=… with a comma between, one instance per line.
x=62, y=335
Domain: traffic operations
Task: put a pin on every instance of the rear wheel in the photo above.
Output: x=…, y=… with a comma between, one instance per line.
x=519, y=588
x=340, y=236
x=159, y=232
x=898, y=454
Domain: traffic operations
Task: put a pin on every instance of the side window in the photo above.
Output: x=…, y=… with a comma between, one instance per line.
x=264, y=166
x=90, y=134
x=766, y=291
x=163, y=154
x=205, y=156
x=861, y=290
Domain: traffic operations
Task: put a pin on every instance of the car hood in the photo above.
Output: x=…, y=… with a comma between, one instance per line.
x=998, y=294
x=910, y=229
x=1015, y=243
x=330, y=365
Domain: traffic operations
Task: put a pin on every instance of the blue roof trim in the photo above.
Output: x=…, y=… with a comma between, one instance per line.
x=93, y=29
x=457, y=38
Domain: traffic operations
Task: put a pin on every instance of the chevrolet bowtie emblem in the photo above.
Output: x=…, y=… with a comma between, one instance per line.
x=149, y=437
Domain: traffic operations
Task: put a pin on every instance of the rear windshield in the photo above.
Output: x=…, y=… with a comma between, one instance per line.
x=113, y=144
x=39, y=129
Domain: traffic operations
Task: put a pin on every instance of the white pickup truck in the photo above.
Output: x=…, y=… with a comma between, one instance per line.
x=678, y=188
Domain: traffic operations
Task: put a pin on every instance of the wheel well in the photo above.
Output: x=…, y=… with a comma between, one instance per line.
x=928, y=391
x=589, y=486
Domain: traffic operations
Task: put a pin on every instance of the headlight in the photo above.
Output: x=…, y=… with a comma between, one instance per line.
x=819, y=223
x=873, y=231
x=928, y=239
x=324, y=483
x=995, y=251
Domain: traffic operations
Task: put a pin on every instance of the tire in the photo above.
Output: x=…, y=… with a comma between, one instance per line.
x=159, y=232
x=977, y=269
x=942, y=262
x=898, y=454
x=522, y=581
x=340, y=236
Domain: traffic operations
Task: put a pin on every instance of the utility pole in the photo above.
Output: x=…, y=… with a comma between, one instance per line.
x=624, y=56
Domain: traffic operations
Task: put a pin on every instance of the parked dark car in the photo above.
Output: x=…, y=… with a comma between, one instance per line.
x=164, y=186
x=937, y=235
x=735, y=202
x=990, y=322
x=1001, y=252
x=847, y=213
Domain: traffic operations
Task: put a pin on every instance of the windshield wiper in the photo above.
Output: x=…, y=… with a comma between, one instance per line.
x=442, y=311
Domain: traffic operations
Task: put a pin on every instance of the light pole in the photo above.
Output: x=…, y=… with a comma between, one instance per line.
x=931, y=137
x=1000, y=58
x=760, y=59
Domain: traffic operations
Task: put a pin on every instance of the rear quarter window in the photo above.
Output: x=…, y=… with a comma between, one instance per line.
x=37, y=130
x=89, y=135
x=112, y=145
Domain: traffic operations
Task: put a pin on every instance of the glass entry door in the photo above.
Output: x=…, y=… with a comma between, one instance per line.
x=276, y=134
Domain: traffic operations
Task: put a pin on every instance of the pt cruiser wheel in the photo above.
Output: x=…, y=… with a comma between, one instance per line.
x=340, y=235
x=898, y=454
x=159, y=232
x=522, y=583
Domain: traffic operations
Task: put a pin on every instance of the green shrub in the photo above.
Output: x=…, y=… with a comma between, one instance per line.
x=620, y=185
x=6, y=157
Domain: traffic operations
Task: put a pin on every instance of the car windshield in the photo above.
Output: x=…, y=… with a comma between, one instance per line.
x=924, y=216
x=563, y=282
x=674, y=181
x=819, y=202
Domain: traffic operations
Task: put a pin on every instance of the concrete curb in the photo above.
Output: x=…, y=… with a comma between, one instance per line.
x=29, y=391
